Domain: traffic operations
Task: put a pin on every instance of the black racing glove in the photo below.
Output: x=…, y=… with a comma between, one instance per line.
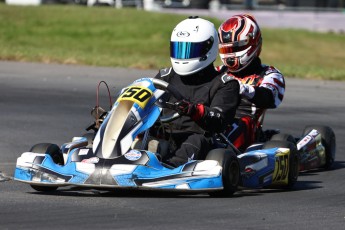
x=184, y=107
x=187, y=108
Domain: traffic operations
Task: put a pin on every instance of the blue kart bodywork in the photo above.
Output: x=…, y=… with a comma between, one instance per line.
x=142, y=169
x=112, y=162
x=136, y=169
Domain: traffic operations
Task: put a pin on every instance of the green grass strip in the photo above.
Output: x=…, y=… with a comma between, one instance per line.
x=105, y=36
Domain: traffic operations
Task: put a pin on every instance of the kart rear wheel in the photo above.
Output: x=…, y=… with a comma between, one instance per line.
x=327, y=140
x=294, y=159
x=55, y=153
x=283, y=137
x=230, y=172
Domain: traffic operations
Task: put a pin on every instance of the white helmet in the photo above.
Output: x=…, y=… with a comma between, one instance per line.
x=193, y=45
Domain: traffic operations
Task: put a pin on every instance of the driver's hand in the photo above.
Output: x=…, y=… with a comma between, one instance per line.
x=187, y=108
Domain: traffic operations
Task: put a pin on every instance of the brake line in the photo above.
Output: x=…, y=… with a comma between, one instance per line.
x=97, y=99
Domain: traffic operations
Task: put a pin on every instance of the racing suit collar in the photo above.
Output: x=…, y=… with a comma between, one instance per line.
x=254, y=67
x=203, y=76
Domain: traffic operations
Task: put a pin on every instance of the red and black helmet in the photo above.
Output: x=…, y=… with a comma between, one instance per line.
x=239, y=41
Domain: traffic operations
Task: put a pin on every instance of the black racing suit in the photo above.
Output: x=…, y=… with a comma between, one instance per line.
x=219, y=96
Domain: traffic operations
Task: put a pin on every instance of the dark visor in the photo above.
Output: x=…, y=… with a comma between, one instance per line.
x=226, y=49
x=189, y=50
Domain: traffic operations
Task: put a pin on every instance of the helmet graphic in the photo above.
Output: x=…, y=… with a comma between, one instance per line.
x=239, y=41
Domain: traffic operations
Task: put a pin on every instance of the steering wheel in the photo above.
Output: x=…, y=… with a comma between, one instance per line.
x=174, y=92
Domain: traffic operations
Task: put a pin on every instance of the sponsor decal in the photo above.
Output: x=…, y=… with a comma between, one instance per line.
x=314, y=133
x=226, y=78
x=133, y=155
x=142, y=79
x=254, y=80
x=92, y=160
x=182, y=34
x=83, y=152
x=304, y=142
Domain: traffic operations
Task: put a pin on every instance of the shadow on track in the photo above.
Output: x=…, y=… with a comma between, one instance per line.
x=337, y=165
x=135, y=193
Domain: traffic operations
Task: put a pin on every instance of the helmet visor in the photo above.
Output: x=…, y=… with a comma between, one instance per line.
x=190, y=50
x=232, y=47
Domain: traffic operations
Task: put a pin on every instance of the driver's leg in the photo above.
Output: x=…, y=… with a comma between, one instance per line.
x=241, y=133
x=195, y=147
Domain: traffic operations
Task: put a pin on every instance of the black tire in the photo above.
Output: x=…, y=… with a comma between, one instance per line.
x=328, y=141
x=283, y=137
x=230, y=173
x=294, y=159
x=55, y=153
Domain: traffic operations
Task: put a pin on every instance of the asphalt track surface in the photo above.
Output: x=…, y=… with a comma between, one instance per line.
x=51, y=103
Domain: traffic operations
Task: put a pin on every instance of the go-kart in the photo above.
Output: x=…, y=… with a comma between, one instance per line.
x=316, y=146
x=110, y=160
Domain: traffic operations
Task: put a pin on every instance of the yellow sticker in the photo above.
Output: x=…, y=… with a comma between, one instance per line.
x=136, y=94
x=281, y=169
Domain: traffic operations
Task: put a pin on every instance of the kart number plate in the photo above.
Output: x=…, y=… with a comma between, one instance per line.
x=281, y=169
x=136, y=94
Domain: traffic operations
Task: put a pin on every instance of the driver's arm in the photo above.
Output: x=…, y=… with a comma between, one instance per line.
x=269, y=94
x=222, y=109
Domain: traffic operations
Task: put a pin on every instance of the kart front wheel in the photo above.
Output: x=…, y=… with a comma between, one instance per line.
x=294, y=159
x=55, y=153
x=230, y=172
x=327, y=140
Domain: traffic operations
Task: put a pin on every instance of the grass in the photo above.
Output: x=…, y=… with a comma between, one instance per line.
x=104, y=36
x=299, y=53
